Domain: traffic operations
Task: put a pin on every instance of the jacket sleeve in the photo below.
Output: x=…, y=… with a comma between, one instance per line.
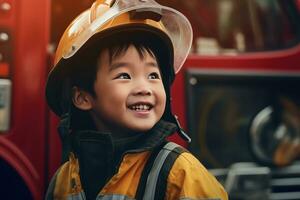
x=189, y=179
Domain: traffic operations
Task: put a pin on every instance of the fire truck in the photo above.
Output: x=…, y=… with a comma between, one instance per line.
x=238, y=94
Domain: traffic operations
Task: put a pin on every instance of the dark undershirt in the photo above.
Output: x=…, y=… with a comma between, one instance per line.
x=99, y=161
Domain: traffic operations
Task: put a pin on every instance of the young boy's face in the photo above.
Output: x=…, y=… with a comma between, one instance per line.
x=129, y=91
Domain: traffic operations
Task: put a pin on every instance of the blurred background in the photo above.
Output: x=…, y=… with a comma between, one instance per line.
x=238, y=94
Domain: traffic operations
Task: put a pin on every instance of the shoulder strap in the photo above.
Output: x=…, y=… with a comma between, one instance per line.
x=153, y=181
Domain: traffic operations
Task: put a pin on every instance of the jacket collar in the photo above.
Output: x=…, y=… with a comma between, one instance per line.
x=155, y=136
x=142, y=141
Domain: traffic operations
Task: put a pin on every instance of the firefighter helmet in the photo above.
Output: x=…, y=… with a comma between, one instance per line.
x=108, y=16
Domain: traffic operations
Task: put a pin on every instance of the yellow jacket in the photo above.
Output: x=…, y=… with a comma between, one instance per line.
x=187, y=179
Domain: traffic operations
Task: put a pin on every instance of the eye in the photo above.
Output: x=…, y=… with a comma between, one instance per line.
x=154, y=75
x=123, y=76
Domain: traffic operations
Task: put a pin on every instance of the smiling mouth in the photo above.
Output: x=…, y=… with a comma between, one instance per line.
x=141, y=107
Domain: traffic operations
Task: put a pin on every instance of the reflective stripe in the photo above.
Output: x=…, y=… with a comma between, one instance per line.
x=154, y=173
x=80, y=196
x=114, y=197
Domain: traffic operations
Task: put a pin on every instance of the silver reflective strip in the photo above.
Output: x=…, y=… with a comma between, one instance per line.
x=79, y=196
x=154, y=172
x=114, y=197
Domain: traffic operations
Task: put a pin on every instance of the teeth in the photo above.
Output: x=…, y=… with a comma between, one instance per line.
x=140, y=107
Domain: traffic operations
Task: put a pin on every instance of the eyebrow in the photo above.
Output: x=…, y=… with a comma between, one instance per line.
x=122, y=64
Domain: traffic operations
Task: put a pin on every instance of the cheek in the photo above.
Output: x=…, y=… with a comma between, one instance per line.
x=112, y=96
x=162, y=97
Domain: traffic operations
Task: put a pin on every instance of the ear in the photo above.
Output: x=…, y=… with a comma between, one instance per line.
x=81, y=99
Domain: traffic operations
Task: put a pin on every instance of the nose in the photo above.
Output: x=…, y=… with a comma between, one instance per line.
x=142, y=88
x=143, y=92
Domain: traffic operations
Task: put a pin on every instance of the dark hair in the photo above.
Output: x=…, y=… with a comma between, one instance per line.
x=85, y=67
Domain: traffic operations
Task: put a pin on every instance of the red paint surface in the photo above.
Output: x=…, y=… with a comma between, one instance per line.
x=24, y=145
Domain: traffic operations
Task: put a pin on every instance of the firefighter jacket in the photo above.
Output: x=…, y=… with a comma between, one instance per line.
x=187, y=178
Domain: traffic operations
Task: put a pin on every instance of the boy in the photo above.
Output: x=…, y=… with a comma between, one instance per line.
x=111, y=87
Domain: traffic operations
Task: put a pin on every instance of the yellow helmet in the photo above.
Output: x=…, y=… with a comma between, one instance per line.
x=108, y=16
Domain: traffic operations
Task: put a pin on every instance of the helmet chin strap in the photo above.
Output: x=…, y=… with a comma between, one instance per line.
x=169, y=116
x=181, y=132
x=64, y=133
x=65, y=120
